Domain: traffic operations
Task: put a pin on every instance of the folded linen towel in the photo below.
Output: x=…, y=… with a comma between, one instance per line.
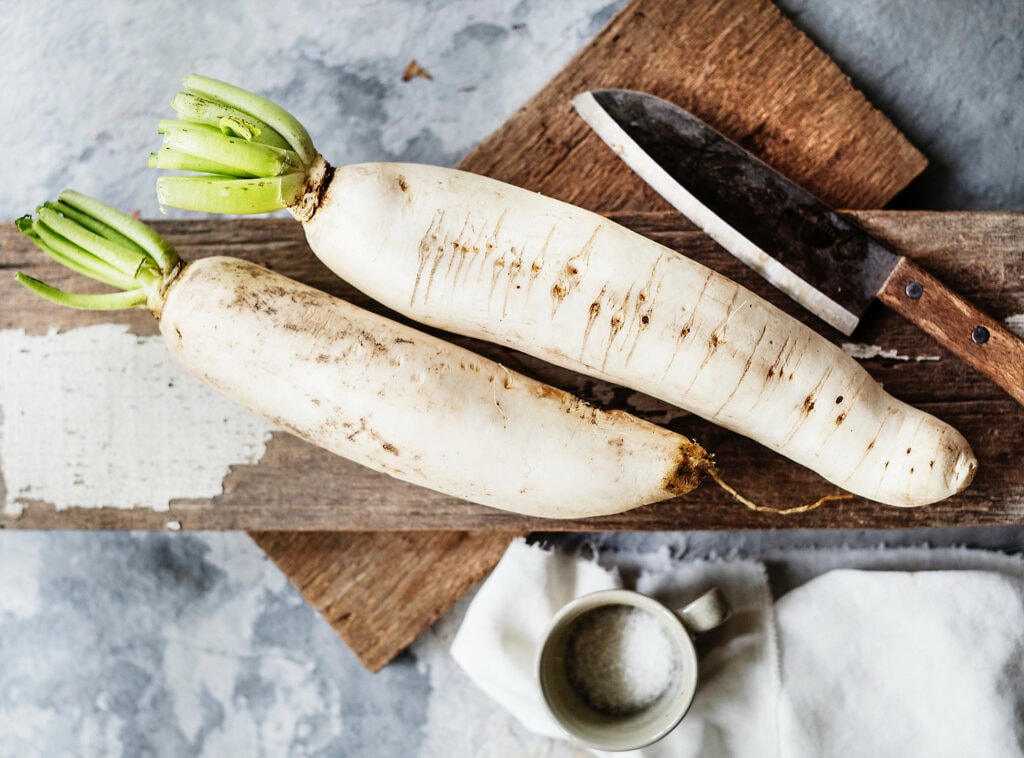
x=850, y=663
x=882, y=663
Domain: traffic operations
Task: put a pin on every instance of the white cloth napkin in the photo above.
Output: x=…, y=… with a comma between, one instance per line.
x=850, y=663
x=498, y=638
x=903, y=664
x=497, y=643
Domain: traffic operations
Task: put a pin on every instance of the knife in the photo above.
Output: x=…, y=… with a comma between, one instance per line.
x=814, y=254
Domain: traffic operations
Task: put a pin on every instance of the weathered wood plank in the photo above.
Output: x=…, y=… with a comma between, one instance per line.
x=381, y=590
x=297, y=487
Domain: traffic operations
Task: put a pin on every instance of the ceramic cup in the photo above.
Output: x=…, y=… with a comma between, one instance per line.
x=618, y=669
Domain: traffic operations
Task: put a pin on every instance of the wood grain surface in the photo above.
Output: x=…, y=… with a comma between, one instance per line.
x=740, y=66
x=381, y=590
x=974, y=336
x=298, y=487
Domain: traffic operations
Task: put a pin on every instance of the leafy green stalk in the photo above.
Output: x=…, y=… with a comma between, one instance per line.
x=111, y=301
x=89, y=222
x=276, y=117
x=249, y=155
x=245, y=157
x=169, y=158
x=104, y=244
x=127, y=260
x=71, y=256
x=199, y=110
x=222, y=194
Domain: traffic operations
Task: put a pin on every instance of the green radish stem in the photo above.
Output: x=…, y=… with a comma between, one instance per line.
x=252, y=155
x=104, y=244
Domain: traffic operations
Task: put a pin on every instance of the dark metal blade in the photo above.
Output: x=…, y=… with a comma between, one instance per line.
x=803, y=247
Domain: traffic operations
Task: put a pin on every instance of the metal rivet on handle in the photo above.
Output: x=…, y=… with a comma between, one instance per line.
x=980, y=335
x=915, y=290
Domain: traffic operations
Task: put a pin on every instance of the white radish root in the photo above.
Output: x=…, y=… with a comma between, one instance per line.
x=411, y=405
x=477, y=257
x=367, y=388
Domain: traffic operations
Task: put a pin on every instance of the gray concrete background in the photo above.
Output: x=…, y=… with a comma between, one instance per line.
x=193, y=644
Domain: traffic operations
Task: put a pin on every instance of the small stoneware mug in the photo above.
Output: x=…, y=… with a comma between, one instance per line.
x=618, y=669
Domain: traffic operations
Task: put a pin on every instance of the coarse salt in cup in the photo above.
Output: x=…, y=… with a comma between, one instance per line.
x=618, y=670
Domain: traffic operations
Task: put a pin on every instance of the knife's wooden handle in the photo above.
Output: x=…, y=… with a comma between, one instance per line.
x=979, y=339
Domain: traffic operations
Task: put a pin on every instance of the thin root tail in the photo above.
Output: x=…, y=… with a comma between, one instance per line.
x=771, y=509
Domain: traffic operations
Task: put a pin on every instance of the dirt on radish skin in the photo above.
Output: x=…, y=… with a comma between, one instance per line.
x=477, y=257
x=413, y=406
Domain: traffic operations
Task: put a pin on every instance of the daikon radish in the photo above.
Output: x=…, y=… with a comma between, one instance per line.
x=485, y=259
x=367, y=388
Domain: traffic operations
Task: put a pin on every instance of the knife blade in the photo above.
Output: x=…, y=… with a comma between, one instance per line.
x=816, y=255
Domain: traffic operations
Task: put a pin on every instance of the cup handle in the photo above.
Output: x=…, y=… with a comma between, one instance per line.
x=706, y=612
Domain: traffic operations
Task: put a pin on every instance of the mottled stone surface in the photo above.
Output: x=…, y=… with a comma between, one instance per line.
x=194, y=644
x=85, y=85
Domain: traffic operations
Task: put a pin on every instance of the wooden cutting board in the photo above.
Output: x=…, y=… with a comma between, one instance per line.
x=294, y=486
x=741, y=66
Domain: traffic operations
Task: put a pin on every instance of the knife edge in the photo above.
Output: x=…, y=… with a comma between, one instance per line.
x=709, y=222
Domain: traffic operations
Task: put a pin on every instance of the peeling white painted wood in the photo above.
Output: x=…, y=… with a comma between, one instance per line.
x=99, y=417
x=865, y=352
x=1015, y=324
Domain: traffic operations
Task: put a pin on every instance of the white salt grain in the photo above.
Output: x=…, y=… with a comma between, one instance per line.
x=619, y=659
